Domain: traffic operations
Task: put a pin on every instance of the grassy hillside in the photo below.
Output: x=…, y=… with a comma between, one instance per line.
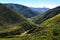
x=53, y=24
x=44, y=32
x=48, y=14
x=48, y=30
x=54, y=21
x=12, y=23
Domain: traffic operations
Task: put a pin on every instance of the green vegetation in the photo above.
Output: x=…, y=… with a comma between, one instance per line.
x=48, y=14
x=12, y=23
x=54, y=21
x=53, y=24
x=14, y=26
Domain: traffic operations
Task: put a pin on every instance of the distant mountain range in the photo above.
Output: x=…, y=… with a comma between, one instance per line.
x=40, y=9
x=48, y=14
x=26, y=11
x=14, y=26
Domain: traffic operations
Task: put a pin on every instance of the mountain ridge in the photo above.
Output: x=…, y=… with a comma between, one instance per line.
x=26, y=11
x=48, y=14
x=12, y=22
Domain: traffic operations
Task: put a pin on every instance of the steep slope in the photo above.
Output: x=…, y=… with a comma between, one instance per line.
x=12, y=23
x=48, y=14
x=53, y=24
x=26, y=11
x=48, y=30
x=44, y=32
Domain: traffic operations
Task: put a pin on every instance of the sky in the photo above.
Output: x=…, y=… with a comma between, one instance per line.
x=35, y=3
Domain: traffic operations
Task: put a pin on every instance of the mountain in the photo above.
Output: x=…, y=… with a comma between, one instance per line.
x=48, y=14
x=53, y=24
x=48, y=30
x=26, y=11
x=40, y=9
x=12, y=22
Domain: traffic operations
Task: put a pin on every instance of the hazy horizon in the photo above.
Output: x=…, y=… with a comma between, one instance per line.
x=35, y=3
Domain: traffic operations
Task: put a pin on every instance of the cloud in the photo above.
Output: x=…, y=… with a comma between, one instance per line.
x=44, y=5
